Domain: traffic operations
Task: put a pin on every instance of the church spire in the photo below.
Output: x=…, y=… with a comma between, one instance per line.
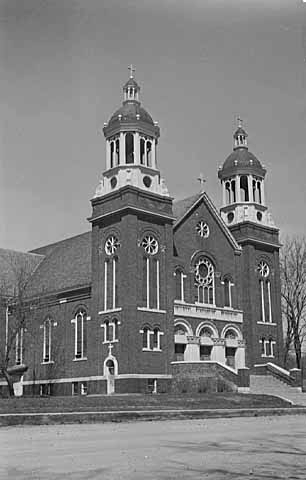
x=131, y=138
x=131, y=88
x=240, y=135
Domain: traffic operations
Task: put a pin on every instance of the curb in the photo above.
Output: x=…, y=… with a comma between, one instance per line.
x=8, y=419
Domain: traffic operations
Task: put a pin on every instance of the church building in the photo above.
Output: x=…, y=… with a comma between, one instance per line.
x=160, y=295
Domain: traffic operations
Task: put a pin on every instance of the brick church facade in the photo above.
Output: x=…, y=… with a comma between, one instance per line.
x=160, y=295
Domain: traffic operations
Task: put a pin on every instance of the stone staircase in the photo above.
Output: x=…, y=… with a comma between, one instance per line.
x=269, y=385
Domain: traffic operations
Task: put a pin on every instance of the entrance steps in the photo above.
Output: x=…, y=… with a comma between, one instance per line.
x=269, y=385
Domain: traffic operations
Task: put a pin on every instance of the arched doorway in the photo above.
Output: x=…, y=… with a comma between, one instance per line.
x=110, y=372
x=231, y=344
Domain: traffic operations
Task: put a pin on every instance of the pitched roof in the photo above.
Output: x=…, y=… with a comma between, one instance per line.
x=180, y=207
x=15, y=268
x=67, y=265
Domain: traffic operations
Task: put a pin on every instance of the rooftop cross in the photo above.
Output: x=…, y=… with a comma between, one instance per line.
x=202, y=181
x=132, y=70
x=240, y=122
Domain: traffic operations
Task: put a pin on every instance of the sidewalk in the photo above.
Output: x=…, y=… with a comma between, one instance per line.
x=9, y=419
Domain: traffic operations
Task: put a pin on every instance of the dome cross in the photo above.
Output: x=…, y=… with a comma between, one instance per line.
x=240, y=121
x=132, y=70
x=202, y=181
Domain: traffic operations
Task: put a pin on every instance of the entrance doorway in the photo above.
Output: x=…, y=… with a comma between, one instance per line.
x=230, y=353
x=110, y=375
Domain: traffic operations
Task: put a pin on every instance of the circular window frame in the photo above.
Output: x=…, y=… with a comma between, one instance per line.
x=147, y=181
x=263, y=269
x=150, y=244
x=202, y=229
x=111, y=245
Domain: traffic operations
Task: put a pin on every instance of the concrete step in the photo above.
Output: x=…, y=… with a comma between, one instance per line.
x=266, y=384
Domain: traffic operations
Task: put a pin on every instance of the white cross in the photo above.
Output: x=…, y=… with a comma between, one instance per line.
x=132, y=70
x=202, y=182
x=240, y=122
x=110, y=347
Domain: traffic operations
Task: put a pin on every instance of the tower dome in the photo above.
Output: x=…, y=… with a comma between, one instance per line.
x=241, y=160
x=242, y=179
x=131, y=138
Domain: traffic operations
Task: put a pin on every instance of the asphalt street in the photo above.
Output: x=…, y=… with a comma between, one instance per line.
x=232, y=449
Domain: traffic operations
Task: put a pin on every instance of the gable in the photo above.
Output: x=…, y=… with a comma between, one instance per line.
x=183, y=209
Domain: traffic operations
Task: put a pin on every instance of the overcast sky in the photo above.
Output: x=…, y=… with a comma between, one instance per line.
x=199, y=63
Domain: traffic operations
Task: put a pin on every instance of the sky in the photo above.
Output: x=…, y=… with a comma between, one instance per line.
x=200, y=64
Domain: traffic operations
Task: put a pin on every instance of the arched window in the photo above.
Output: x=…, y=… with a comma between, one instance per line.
x=115, y=329
x=265, y=292
x=206, y=332
x=204, y=281
x=149, y=153
x=228, y=192
x=244, y=189
x=117, y=151
x=227, y=289
x=150, y=274
x=258, y=192
x=180, y=329
x=142, y=151
x=233, y=188
x=179, y=284
x=47, y=332
x=108, y=337
x=80, y=334
x=156, y=339
x=267, y=347
x=230, y=334
x=146, y=338
x=111, y=247
x=112, y=154
x=129, y=148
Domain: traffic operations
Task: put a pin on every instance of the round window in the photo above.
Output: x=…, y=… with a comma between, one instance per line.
x=150, y=245
x=230, y=217
x=113, y=182
x=147, y=181
x=263, y=269
x=111, y=245
x=204, y=272
x=202, y=229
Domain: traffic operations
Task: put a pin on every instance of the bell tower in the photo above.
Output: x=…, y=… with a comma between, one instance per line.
x=245, y=212
x=243, y=190
x=131, y=138
x=132, y=247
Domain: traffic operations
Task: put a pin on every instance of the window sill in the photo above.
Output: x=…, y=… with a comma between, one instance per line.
x=212, y=305
x=47, y=363
x=106, y=342
x=152, y=350
x=79, y=359
x=111, y=310
x=154, y=310
x=266, y=323
x=267, y=356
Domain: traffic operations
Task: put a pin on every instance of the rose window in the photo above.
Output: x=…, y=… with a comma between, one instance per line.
x=202, y=229
x=111, y=245
x=204, y=272
x=150, y=245
x=263, y=269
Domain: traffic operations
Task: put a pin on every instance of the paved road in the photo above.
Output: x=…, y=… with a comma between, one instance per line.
x=220, y=449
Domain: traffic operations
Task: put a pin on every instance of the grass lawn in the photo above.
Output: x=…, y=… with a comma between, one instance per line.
x=138, y=402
